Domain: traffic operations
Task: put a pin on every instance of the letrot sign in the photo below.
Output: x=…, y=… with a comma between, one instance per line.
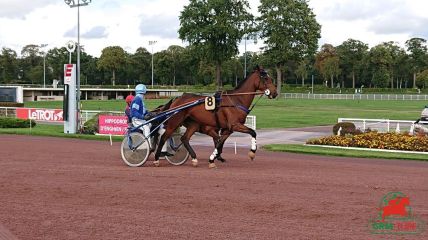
x=38, y=114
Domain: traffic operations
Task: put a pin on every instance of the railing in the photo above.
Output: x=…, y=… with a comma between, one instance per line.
x=88, y=114
x=251, y=122
x=7, y=111
x=381, y=125
x=356, y=96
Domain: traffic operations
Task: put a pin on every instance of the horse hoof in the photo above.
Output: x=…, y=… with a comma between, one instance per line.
x=221, y=159
x=195, y=162
x=156, y=163
x=251, y=155
x=212, y=166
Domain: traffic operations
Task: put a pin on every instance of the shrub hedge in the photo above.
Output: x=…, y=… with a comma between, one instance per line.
x=16, y=123
x=347, y=128
x=391, y=141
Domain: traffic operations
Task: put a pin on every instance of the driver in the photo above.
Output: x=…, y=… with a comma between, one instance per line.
x=138, y=111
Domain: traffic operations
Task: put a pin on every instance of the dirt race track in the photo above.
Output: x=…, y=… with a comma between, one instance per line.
x=53, y=188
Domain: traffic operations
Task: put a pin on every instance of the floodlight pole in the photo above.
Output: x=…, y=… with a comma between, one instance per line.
x=44, y=65
x=151, y=43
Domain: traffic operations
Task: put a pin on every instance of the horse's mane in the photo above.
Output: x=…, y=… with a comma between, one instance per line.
x=164, y=107
x=242, y=82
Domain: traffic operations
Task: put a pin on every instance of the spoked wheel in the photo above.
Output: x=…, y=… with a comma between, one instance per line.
x=135, y=149
x=175, y=146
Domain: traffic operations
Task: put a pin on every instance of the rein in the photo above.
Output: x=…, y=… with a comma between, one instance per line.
x=247, y=93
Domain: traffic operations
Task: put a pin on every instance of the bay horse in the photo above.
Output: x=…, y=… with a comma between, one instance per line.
x=191, y=127
x=230, y=115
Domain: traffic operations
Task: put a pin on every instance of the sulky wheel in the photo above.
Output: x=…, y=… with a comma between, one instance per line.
x=175, y=146
x=135, y=149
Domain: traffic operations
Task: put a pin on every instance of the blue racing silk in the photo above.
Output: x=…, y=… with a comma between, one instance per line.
x=138, y=110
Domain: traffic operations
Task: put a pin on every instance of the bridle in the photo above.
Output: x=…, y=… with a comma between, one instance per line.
x=263, y=77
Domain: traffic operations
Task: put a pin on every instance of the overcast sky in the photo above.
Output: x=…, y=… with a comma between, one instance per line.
x=132, y=23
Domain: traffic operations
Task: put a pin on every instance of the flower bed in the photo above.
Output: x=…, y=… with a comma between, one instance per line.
x=391, y=141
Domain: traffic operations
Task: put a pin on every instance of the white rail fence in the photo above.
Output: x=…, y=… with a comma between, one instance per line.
x=402, y=97
x=7, y=112
x=381, y=125
x=88, y=114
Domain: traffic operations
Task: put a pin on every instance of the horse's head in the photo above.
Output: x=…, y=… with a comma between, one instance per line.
x=265, y=83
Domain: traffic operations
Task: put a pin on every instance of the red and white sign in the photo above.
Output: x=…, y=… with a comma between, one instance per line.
x=114, y=125
x=68, y=72
x=47, y=115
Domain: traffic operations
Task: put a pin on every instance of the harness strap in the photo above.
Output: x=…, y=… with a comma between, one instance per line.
x=218, y=97
x=243, y=108
x=254, y=104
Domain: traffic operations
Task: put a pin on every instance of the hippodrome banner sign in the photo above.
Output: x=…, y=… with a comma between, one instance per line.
x=39, y=114
x=114, y=125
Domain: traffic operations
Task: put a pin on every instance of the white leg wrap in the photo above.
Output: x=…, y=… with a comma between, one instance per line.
x=253, y=144
x=164, y=147
x=214, y=154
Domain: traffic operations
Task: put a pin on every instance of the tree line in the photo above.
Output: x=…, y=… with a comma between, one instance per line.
x=213, y=30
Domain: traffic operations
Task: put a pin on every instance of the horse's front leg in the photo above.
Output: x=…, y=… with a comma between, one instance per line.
x=244, y=129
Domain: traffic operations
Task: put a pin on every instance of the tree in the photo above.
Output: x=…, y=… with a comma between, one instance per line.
x=330, y=69
x=164, y=70
x=176, y=54
x=403, y=68
x=303, y=70
x=191, y=61
x=56, y=58
x=290, y=30
x=422, y=79
x=140, y=65
x=327, y=63
x=396, y=53
x=418, y=52
x=351, y=53
x=32, y=54
x=215, y=28
x=112, y=58
x=8, y=65
x=380, y=61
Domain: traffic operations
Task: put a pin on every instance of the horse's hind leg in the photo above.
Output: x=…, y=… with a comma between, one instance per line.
x=190, y=130
x=171, y=126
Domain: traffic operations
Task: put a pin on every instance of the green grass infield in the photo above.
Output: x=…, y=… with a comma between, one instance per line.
x=306, y=149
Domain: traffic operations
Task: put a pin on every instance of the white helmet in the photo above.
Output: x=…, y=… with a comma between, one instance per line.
x=140, y=89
